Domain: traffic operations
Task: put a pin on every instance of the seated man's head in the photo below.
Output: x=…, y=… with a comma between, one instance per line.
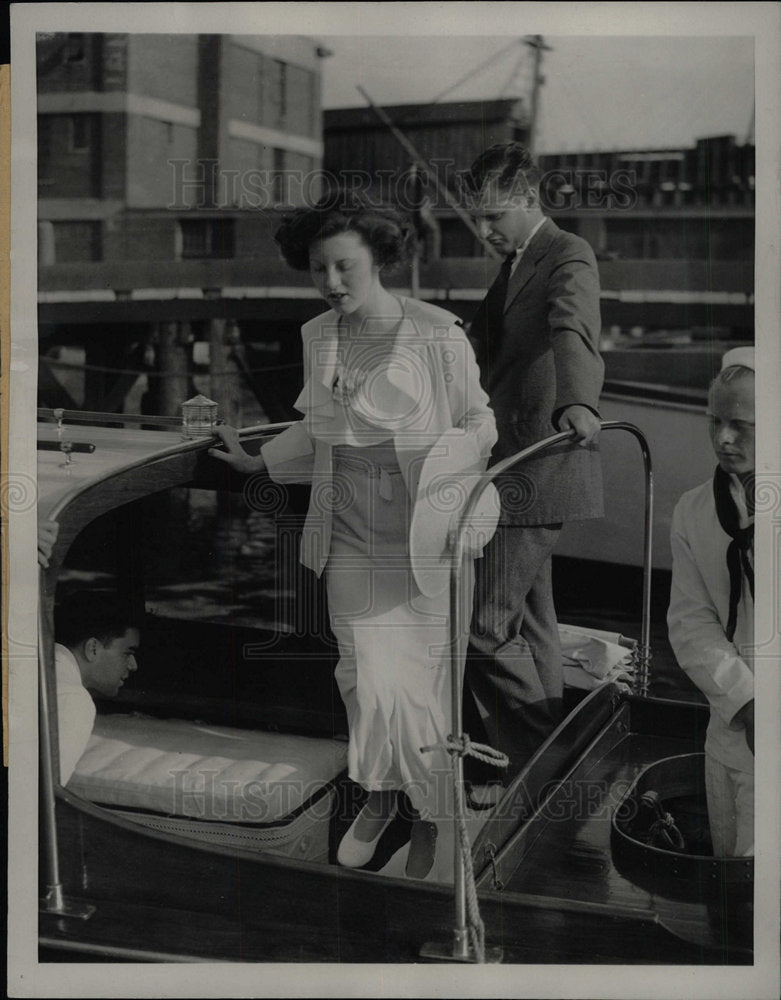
x=102, y=633
x=503, y=193
x=731, y=412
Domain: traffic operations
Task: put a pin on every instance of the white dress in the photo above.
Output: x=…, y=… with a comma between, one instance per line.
x=394, y=662
x=393, y=670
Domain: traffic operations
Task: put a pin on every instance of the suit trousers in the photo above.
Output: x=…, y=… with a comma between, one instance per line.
x=514, y=667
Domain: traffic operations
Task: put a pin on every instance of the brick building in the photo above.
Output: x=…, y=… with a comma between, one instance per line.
x=163, y=147
x=163, y=161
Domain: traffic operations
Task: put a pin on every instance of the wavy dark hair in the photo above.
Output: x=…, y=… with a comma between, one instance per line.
x=384, y=230
x=509, y=165
x=88, y=614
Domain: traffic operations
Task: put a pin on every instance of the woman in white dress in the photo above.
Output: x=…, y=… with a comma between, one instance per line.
x=385, y=377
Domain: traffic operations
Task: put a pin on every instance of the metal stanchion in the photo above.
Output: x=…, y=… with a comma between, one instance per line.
x=460, y=949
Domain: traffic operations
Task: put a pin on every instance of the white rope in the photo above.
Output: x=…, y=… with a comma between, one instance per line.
x=475, y=925
x=462, y=746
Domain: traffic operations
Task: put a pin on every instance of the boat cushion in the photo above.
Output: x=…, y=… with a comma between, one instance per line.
x=215, y=773
x=305, y=835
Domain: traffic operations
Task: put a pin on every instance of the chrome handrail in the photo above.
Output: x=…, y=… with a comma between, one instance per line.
x=63, y=416
x=46, y=414
x=267, y=428
x=459, y=635
x=54, y=898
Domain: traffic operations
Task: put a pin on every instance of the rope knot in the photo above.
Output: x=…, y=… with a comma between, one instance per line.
x=462, y=746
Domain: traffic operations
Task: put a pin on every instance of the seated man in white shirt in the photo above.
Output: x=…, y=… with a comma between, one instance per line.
x=711, y=614
x=97, y=641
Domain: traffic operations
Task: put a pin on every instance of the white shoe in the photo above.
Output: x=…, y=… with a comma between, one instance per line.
x=355, y=853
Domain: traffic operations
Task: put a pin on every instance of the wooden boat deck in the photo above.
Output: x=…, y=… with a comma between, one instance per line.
x=159, y=896
x=567, y=852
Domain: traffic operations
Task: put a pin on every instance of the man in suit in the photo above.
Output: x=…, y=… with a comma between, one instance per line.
x=536, y=336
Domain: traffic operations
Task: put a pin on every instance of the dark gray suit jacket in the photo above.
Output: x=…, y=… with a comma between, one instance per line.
x=544, y=358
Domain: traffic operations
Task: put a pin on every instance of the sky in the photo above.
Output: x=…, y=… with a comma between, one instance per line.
x=616, y=92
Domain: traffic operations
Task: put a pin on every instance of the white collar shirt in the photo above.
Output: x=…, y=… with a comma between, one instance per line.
x=75, y=711
x=520, y=251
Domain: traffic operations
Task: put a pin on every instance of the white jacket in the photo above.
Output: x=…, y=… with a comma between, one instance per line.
x=697, y=619
x=430, y=385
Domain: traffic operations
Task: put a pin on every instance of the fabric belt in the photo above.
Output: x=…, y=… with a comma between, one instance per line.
x=372, y=470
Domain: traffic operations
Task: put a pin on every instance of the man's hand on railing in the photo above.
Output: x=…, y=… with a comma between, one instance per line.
x=583, y=421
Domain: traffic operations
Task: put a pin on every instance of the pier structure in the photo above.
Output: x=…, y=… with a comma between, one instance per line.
x=166, y=162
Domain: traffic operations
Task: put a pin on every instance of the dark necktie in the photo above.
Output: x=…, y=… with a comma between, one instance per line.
x=742, y=540
x=486, y=327
x=495, y=299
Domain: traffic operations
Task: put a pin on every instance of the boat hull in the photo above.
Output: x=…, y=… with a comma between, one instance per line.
x=158, y=897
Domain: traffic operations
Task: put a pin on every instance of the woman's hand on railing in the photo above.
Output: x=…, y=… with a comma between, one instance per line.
x=583, y=421
x=47, y=536
x=234, y=454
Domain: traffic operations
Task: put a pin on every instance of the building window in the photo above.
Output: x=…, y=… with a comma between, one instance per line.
x=78, y=134
x=74, y=49
x=312, y=106
x=261, y=73
x=278, y=183
x=300, y=94
x=45, y=169
x=77, y=241
x=280, y=98
x=204, y=238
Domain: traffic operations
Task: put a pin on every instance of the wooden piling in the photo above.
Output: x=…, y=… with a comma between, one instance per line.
x=172, y=389
x=224, y=375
